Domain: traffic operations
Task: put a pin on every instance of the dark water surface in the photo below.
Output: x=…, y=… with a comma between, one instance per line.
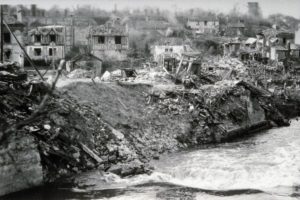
x=265, y=166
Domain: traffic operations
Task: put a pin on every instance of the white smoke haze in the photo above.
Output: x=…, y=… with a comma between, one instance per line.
x=288, y=7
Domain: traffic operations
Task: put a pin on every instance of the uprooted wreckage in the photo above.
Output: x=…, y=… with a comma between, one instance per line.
x=119, y=126
x=70, y=138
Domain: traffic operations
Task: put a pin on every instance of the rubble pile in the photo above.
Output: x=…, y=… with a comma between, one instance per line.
x=70, y=137
x=204, y=111
x=80, y=73
x=156, y=75
x=227, y=68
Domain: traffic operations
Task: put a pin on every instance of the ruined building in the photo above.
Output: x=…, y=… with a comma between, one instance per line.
x=109, y=40
x=46, y=43
x=11, y=50
x=235, y=29
x=278, y=43
x=231, y=47
x=207, y=25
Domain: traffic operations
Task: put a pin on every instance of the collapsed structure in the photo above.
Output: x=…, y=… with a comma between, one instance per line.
x=85, y=125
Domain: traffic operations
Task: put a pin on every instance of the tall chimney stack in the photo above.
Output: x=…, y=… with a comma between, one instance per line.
x=33, y=10
x=19, y=13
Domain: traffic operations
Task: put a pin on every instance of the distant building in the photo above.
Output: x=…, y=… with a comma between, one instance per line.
x=297, y=36
x=110, y=40
x=278, y=53
x=235, y=29
x=173, y=51
x=208, y=25
x=231, y=48
x=278, y=43
x=46, y=43
x=11, y=49
x=295, y=50
x=254, y=10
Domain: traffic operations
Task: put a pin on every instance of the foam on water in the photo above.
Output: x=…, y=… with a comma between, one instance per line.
x=265, y=162
x=266, y=166
x=269, y=162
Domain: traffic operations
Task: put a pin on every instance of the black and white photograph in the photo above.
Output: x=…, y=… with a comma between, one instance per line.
x=149, y=99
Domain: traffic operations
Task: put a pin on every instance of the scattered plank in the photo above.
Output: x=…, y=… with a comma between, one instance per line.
x=90, y=153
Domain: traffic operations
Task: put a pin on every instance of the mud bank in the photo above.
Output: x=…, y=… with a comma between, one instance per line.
x=118, y=128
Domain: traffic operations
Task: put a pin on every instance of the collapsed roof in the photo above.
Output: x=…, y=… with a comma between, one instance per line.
x=46, y=30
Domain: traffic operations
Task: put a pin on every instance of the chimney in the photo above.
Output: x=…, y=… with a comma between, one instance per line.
x=19, y=13
x=33, y=10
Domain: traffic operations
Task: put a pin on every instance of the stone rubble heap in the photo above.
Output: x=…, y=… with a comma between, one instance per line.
x=70, y=137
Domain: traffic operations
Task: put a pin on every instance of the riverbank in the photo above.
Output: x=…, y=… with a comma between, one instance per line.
x=263, y=166
x=120, y=126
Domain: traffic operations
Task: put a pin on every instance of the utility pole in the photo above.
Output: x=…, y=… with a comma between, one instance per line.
x=1, y=56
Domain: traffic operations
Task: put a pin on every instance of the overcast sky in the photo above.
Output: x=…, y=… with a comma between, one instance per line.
x=289, y=7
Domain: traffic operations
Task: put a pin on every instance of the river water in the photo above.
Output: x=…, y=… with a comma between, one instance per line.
x=263, y=166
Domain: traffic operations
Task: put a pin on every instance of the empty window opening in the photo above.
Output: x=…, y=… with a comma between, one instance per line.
x=284, y=41
x=205, y=23
x=37, y=51
x=101, y=40
x=118, y=40
x=50, y=52
x=38, y=38
x=52, y=38
x=6, y=37
x=7, y=54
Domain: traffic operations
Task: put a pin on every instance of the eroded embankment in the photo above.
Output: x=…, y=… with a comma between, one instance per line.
x=154, y=121
x=119, y=127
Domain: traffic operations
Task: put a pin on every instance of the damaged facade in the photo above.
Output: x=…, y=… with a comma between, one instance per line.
x=46, y=43
x=269, y=45
x=11, y=49
x=110, y=40
x=160, y=52
x=231, y=48
x=278, y=43
x=235, y=29
x=208, y=25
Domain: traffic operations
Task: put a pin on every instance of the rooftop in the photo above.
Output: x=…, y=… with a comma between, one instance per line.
x=280, y=48
x=271, y=32
x=236, y=25
x=111, y=27
x=45, y=30
x=202, y=19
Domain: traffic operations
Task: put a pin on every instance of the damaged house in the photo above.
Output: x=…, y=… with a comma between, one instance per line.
x=168, y=54
x=46, y=43
x=204, y=25
x=235, y=29
x=110, y=40
x=232, y=47
x=278, y=43
x=11, y=49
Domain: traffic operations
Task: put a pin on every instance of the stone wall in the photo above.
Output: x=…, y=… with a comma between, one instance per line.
x=20, y=166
